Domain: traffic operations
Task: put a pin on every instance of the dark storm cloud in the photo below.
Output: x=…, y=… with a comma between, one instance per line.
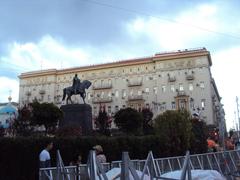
x=76, y=21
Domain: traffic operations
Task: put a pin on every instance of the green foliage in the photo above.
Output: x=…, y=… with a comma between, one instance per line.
x=175, y=129
x=19, y=156
x=46, y=114
x=147, y=121
x=129, y=121
x=22, y=125
x=199, y=137
x=102, y=122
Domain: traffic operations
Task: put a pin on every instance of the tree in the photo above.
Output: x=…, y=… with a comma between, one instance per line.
x=147, y=121
x=174, y=127
x=199, y=137
x=129, y=121
x=22, y=126
x=102, y=121
x=46, y=114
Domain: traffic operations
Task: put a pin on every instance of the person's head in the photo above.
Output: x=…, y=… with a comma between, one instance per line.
x=76, y=75
x=79, y=158
x=49, y=145
x=98, y=149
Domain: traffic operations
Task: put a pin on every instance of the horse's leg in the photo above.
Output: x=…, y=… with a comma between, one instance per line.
x=83, y=97
x=70, y=99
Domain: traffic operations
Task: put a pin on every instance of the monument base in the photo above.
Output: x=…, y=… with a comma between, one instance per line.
x=77, y=115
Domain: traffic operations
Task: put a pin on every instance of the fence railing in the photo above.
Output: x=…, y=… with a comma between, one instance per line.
x=225, y=162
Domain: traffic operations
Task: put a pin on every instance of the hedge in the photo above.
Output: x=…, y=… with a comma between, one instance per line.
x=19, y=156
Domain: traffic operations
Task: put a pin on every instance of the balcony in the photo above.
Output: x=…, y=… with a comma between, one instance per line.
x=171, y=79
x=181, y=93
x=42, y=91
x=132, y=83
x=102, y=86
x=28, y=93
x=135, y=97
x=189, y=77
x=102, y=100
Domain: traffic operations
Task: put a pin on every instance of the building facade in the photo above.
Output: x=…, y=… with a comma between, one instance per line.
x=165, y=81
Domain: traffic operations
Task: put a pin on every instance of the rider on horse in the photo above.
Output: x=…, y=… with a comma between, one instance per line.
x=76, y=82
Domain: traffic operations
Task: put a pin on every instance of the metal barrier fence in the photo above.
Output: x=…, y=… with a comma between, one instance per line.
x=225, y=162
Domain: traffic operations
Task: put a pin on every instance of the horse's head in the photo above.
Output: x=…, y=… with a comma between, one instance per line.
x=86, y=84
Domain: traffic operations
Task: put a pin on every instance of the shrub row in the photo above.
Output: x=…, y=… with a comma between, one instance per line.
x=19, y=156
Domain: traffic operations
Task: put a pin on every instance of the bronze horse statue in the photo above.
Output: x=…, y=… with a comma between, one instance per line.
x=80, y=89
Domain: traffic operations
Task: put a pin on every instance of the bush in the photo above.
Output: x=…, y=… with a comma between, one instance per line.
x=175, y=129
x=199, y=137
x=129, y=121
x=19, y=156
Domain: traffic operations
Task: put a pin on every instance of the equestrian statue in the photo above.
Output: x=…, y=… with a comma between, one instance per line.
x=77, y=87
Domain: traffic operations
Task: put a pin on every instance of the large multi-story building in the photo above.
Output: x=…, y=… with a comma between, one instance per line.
x=169, y=80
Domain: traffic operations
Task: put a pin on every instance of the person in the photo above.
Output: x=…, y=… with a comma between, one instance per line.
x=99, y=154
x=45, y=160
x=229, y=143
x=212, y=145
x=76, y=80
x=44, y=156
x=76, y=161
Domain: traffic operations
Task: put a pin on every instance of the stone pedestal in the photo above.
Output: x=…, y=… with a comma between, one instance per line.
x=76, y=115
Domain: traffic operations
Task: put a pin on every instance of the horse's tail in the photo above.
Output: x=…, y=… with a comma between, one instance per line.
x=64, y=94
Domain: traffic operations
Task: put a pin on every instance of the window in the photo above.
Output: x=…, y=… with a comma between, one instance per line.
x=139, y=93
x=163, y=88
x=173, y=105
x=116, y=108
x=163, y=106
x=102, y=94
x=109, y=82
x=182, y=103
x=109, y=109
x=202, y=85
x=172, y=88
x=147, y=90
x=109, y=94
x=95, y=83
x=89, y=96
x=191, y=103
x=203, y=103
x=131, y=92
x=124, y=93
x=116, y=93
x=155, y=90
x=190, y=87
x=181, y=87
x=49, y=98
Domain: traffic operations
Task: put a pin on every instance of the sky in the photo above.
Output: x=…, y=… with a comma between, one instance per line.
x=59, y=34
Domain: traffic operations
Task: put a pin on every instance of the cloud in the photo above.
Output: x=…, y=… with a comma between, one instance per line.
x=179, y=33
x=47, y=53
x=9, y=87
x=225, y=70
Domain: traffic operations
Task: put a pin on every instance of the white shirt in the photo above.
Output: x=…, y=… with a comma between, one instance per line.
x=44, y=155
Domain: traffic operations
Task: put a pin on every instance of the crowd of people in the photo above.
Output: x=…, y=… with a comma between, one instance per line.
x=45, y=158
x=230, y=143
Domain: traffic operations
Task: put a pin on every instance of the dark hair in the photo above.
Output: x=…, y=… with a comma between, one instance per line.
x=47, y=143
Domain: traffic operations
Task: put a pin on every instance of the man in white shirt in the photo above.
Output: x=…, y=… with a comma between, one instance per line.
x=45, y=161
x=44, y=157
